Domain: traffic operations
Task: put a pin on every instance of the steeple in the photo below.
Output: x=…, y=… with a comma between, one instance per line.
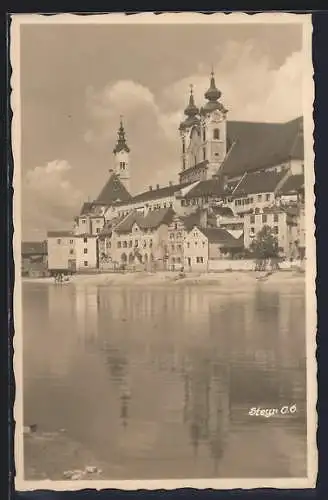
x=213, y=95
x=121, y=157
x=121, y=144
x=191, y=112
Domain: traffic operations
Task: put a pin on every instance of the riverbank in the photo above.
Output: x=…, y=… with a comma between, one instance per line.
x=226, y=278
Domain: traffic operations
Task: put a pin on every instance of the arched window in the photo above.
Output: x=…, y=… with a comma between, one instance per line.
x=216, y=133
x=204, y=134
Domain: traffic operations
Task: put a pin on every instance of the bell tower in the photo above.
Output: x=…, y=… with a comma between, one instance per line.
x=121, y=153
x=214, y=129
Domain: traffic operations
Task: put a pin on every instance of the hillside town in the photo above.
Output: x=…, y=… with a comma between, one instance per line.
x=237, y=181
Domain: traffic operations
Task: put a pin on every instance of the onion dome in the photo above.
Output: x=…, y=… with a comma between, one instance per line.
x=212, y=94
x=121, y=144
x=191, y=112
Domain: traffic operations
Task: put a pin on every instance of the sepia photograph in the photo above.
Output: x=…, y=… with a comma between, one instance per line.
x=165, y=261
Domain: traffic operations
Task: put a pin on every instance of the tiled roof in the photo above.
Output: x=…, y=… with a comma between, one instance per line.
x=201, y=164
x=153, y=194
x=292, y=185
x=86, y=208
x=152, y=220
x=219, y=235
x=60, y=234
x=194, y=219
x=258, y=182
x=223, y=211
x=34, y=247
x=255, y=146
x=113, y=191
x=210, y=187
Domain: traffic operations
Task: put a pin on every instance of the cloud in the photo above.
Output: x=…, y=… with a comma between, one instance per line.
x=252, y=90
x=50, y=199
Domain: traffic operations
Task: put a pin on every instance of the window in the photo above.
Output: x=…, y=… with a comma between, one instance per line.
x=144, y=244
x=164, y=205
x=275, y=218
x=71, y=242
x=267, y=197
x=257, y=210
x=119, y=244
x=85, y=240
x=173, y=248
x=97, y=229
x=122, y=165
x=130, y=244
x=125, y=244
x=85, y=263
x=171, y=236
x=179, y=248
x=179, y=235
x=109, y=245
x=183, y=147
x=264, y=218
x=85, y=250
x=183, y=203
x=252, y=230
x=178, y=260
x=216, y=134
x=150, y=243
x=196, y=243
x=58, y=241
x=188, y=245
x=173, y=260
x=83, y=221
x=275, y=230
x=71, y=251
x=204, y=154
x=252, y=219
x=203, y=243
x=259, y=197
x=204, y=134
x=251, y=200
x=200, y=260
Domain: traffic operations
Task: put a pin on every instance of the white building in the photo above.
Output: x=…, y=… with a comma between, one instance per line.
x=61, y=251
x=86, y=252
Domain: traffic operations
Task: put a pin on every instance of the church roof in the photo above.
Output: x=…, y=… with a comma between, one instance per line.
x=255, y=146
x=113, y=191
x=153, y=194
x=258, y=182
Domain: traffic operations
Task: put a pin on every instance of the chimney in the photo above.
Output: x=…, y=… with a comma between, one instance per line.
x=150, y=188
x=157, y=186
x=203, y=218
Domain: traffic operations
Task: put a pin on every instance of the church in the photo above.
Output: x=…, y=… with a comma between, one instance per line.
x=215, y=155
x=225, y=165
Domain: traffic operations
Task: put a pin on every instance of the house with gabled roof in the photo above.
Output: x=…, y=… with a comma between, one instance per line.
x=34, y=258
x=142, y=239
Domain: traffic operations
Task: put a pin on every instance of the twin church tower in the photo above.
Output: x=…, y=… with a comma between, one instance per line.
x=203, y=135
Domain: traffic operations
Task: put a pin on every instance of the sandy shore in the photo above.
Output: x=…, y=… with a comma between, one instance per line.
x=234, y=279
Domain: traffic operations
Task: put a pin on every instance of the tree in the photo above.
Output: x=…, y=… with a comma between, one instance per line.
x=265, y=248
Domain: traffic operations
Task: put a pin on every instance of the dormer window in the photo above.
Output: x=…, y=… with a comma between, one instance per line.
x=216, y=134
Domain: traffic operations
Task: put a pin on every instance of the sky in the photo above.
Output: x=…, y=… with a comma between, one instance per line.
x=76, y=81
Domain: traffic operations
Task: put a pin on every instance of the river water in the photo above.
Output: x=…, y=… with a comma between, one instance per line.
x=160, y=383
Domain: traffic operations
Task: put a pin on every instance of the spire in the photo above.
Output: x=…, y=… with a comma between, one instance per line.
x=212, y=94
x=191, y=110
x=121, y=144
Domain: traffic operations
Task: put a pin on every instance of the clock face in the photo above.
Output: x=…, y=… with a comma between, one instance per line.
x=216, y=116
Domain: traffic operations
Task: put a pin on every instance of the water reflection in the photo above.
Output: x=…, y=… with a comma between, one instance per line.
x=176, y=370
